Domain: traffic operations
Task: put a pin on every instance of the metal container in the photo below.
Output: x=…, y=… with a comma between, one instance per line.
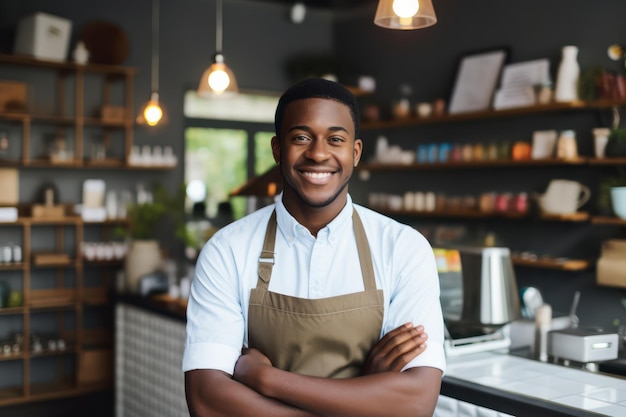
x=489, y=295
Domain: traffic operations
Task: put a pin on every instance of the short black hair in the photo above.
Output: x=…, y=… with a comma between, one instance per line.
x=317, y=88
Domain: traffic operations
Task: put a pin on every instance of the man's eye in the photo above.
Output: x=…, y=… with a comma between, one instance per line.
x=300, y=138
x=336, y=139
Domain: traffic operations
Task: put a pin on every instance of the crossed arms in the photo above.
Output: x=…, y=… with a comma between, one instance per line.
x=259, y=389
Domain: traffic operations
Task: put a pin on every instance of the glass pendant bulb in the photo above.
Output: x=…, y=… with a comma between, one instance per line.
x=405, y=14
x=406, y=8
x=152, y=113
x=218, y=78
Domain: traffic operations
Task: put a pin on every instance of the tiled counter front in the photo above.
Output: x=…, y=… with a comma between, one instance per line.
x=149, y=381
x=525, y=387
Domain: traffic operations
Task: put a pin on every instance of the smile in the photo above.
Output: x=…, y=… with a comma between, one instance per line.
x=316, y=175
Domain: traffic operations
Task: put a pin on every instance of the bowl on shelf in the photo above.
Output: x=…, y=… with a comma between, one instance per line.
x=618, y=201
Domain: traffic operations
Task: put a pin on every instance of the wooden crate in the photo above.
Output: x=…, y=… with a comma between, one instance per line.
x=41, y=210
x=12, y=96
x=95, y=366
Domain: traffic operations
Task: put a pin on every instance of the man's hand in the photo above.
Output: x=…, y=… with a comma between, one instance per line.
x=396, y=349
x=249, y=366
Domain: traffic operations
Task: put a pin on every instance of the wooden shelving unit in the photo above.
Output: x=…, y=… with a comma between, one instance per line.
x=71, y=114
x=563, y=264
x=67, y=295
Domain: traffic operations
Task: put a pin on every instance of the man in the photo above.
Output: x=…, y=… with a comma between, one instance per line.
x=321, y=293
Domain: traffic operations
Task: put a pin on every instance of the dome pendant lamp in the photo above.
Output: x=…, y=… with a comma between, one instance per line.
x=153, y=113
x=218, y=78
x=405, y=14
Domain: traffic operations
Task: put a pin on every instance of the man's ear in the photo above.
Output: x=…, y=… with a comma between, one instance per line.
x=358, y=149
x=276, y=150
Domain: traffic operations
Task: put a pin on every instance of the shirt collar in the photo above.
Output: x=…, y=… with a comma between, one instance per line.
x=289, y=227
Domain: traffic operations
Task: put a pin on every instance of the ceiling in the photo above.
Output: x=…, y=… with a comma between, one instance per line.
x=335, y=5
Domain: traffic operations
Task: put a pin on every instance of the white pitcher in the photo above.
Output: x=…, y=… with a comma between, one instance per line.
x=564, y=197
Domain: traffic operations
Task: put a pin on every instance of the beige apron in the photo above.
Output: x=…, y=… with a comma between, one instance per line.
x=328, y=337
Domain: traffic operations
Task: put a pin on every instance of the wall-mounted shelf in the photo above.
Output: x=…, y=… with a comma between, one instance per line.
x=492, y=114
x=465, y=214
x=563, y=264
x=607, y=220
x=498, y=163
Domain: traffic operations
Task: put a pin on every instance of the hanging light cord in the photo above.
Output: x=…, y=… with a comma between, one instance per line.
x=155, y=45
x=218, y=26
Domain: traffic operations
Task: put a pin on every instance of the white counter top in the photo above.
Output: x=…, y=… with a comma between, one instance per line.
x=580, y=389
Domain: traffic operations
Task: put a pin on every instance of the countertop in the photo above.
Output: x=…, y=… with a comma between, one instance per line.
x=527, y=387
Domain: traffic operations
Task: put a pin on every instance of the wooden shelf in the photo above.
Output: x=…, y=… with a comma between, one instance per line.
x=12, y=266
x=11, y=395
x=52, y=298
x=501, y=163
x=580, y=216
x=12, y=357
x=23, y=60
x=12, y=310
x=605, y=220
x=564, y=264
x=84, y=164
x=491, y=114
x=454, y=213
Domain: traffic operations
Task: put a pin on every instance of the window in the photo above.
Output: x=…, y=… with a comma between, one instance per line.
x=227, y=141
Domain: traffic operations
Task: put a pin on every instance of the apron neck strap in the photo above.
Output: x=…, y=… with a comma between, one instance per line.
x=267, y=260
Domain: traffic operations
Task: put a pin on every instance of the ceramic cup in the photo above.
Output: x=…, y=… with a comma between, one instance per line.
x=600, y=139
x=618, y=200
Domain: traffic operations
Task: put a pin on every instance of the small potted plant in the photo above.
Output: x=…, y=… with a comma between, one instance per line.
x=612, y=194
x=147, y=221
x=616, y=145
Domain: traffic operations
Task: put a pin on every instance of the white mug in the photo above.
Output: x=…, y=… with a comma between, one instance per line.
x=564, y=197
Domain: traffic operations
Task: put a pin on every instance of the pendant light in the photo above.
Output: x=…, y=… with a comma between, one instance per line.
x=153, y=113
x=218, y=78
x=405, y=14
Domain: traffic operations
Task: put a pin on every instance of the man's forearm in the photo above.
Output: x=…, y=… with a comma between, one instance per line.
x=215, y=394
x=411, y=393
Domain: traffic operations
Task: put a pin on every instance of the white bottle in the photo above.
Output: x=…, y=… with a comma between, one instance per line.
x=543, y=324
x=81, y=54
x=567, y=75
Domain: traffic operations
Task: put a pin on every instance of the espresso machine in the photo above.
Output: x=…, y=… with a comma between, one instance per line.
x=479, y=297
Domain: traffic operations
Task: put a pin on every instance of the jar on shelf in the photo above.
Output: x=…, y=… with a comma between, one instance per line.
x=566, y=147
x=567, y=75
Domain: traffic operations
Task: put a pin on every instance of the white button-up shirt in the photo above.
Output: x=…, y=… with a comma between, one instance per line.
x=309, y=267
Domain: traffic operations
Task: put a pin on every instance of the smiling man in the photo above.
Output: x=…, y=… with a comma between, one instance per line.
x=315, y=306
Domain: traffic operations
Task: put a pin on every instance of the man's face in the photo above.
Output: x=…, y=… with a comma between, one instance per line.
x=317, y=151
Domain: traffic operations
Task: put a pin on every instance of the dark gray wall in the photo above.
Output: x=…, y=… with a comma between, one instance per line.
x=427, y=60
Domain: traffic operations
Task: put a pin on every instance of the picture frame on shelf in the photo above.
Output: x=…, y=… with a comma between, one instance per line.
x=476, y=80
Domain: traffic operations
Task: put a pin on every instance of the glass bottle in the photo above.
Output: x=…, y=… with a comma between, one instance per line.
x=567, y=75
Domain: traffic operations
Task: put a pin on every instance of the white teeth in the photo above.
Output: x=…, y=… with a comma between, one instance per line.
x=317, y=175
